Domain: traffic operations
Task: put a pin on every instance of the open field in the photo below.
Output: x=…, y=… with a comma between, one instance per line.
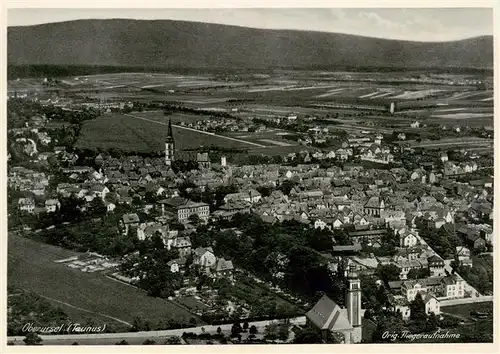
x=465, y=309
x=448, y=142
x=145, y=132
x=156, y=117
x=463, y=115
x=31, y=267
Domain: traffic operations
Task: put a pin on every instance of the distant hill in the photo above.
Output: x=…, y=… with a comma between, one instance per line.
x=165, y=43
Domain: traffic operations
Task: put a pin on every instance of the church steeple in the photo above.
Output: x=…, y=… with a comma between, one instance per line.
x=353, y=297
x=169, y=145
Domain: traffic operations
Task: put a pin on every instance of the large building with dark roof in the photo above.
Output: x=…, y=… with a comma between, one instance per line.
x=329, y=318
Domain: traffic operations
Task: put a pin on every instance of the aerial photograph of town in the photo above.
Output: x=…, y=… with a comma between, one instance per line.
x=249, y=176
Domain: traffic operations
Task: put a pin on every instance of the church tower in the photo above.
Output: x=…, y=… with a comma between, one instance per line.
x=353, y=298
x=169, y=145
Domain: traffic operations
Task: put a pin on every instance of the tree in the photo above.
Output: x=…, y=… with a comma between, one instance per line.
x=417, y=307
x=194, y=219
x=236, y=329
x=388, y=272
x=307, y=336
x=287, y=186
x=32, y=338
x=245, y=326
x=265, y=191
x=97, y=207
x=419, y=273
x=174, y=340
x=271, y=331
x=283, y=331
x=253, y=330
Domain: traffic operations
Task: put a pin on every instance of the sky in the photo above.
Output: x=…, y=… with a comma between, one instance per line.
x=417, y=24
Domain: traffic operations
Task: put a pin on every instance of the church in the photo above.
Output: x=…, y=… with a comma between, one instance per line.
x=330, y=318
x=171, y=154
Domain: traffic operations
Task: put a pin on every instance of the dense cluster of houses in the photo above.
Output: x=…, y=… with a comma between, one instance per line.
x=366, y=202
x=432, y=290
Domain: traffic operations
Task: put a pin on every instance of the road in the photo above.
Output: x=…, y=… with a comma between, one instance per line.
x=139, y=337
x=198, y=131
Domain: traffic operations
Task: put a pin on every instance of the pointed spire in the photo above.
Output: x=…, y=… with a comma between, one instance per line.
x=169, y=130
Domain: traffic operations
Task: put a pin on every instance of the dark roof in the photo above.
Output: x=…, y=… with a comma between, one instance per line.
x=435, y=259
x=356, y=247
x=395, y=284
x=373, y=202
x=130, y=218
x=367, y=232
x=326, y=314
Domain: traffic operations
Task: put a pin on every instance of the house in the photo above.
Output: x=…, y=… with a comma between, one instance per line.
x=453, y=286
x=374, y=206
x=320, y=224
x=406, y=265
x=52, y=205
x=337, y=223
x=463, y=253
x=99, y=190
x=129, y=221
x=471, y=237
x=346, y=249
x=26, y=205
x=183, y=246
x=176, y=265
x=252, y=196
x=372, y=235
x=183, y=208
x=110, y=207
x=224, y=267
x=410, y=288
x=398, y=303
x=436, y=266
x=432, y=304
x=408, y=238
x=204, y=257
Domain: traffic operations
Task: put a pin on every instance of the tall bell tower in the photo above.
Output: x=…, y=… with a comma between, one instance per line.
x=169, y=145
x=353, y=297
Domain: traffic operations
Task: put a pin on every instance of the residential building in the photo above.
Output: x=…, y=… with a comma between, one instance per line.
x=183, y=208
x=374, y=206
x=436, y=266
x=52, y=205
x=204, y=257
x=453, y=286
x=432, y=304
x=26, y=204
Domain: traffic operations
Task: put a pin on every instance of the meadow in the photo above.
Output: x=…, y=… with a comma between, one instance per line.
x=31, y=267
x=131, y=133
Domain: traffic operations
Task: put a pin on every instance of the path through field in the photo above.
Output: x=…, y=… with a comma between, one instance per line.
x=31, y=267
x=84, y=310
x=195, y=130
